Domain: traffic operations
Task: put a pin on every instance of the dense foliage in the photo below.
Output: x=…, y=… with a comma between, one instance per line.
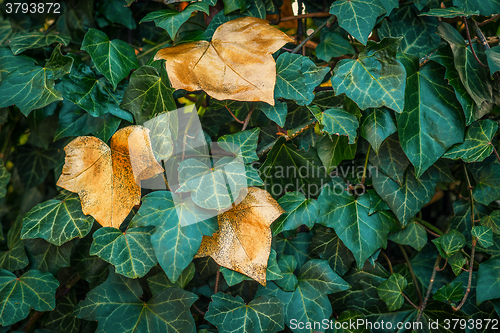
x=368, y=154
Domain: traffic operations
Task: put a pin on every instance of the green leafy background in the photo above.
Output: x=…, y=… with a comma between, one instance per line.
x=381, y=147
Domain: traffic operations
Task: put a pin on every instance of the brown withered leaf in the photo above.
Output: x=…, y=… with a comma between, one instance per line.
x=237, y=64
x=243, y=241
x=106, y=178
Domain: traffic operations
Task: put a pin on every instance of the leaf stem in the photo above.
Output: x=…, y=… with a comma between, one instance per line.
x=409, y=301
x=164, y=174
x=471, y=266
x=198, y=310
x=474, y=242
x=247, y=119
x=471, y=46
x=414, y=278
x=318, y=29
x=217, y=278
x=496, y=152
x=429, y=226
x=234, y=116
x=366, y=165
x=299, y=131
x=493, y=18
x=388, y=261
x=429, y=288
x=445, y=263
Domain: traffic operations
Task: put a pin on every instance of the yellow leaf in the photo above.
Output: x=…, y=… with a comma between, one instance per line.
x=243, y=241
x=106, y=178
x=237, y=64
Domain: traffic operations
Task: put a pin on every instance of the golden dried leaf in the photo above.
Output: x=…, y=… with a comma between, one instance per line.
x=243, y=241
x=237, y=64
x=106, y=178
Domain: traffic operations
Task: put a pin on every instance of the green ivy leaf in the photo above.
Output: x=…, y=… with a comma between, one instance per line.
x=461, y=221
x=292, y=169
x=276, y=112
x=450, y=12
x=413, y=234
x=363, y=295
x=95, y=96
x=444, y=57
x=91, y=268
x=131, y=252
x=113, y=59
x=297, y=246
x=296, y=78
x=35, y=40
x=4, y=179
x=47, y=257
x=484, y=235
x=487, y=176
x=215, y=187
x=476, y=79
x=419, y=32
x=391, y=291
x=62, y=318
x=492, y=221
x=10, y=62
x=349, y=216
x=161, y=136
x=73, y=121
x=299, y=211
x=160, y=281
x=34, y=289
x=233, y=5
x=406, y=199
x=449, y=243
x=148, y=94
x=486, y=8
x=334, y=149
x=232, y=314
x=477, y=144
x=375, y=79
x=452, y=292
x=493, y=250
x=34, y=164
x=32, y=87
x=493, y=56
x=179, y=227
x=57, y=220
x=376, y=126
x=337, y=121
x=457, y=261
x=420, y=140
x=242, y=144
x=15, y=258
x=287, y=264
x=116, y=305
x=116, y=12
x=357, y=17
x=171, y=20
x=328, y=246
x=333, y=45
x=488, y=280
x=309, y=302
x=273, y=272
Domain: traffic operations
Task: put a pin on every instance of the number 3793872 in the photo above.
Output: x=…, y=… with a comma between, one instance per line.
x=33, y=8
